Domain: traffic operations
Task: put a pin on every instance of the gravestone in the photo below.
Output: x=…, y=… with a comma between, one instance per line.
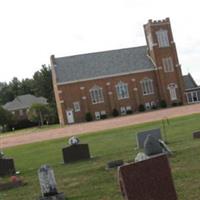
x=75, y=151
x=141, y=136
x=149, y=179
x=196, y=134
x=152, y=146
x=7, y=166
x=48, y=184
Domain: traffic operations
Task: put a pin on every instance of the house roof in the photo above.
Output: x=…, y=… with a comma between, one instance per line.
x=189, y=82
x=23, y=102
x=101, y=64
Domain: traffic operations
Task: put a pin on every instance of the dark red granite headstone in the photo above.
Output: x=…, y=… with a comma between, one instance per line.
x=196, y=134
x=7, y=166
x=147, y=180
x=75, y=153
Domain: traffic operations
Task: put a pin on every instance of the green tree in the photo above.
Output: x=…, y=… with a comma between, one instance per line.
x=15, y=86
x=6, y=118
x=6, y=94
x=39, y=113
x=43, y=85
x=27, y=86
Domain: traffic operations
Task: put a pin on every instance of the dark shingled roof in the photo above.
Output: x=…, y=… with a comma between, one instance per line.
x=108, y=63
x=24, y=101
x=189, y=82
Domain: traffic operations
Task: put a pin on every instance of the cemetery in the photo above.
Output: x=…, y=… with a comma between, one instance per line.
x=152, y=169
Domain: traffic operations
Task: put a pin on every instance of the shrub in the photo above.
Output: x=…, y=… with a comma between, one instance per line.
x=141, y=108
x=154, y=107
x=163, y=104
x=115, y=112
x=104, y=116
x=88, y=117
x=180, y=103
x=175, y=104
x=128, y=112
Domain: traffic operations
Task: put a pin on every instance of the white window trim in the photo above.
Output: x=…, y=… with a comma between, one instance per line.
x=96, y=94
x=192, y=96
x=168, y=64
x=172, y=91
x=147, y=105
x=162, y=37
x=77, y=107
x=119, y=89
x=147, y=86
x=97, y=115
x=123, y=110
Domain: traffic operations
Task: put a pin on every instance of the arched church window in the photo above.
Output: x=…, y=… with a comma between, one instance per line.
x=122, y=90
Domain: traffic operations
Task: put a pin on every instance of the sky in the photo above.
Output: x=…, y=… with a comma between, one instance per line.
x=32, y=30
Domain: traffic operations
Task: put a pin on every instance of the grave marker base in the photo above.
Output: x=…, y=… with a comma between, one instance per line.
x=59, y=196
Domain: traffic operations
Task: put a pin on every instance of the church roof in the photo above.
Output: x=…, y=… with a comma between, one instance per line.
x=189, y=82
x=23, y=102
x=102, y=64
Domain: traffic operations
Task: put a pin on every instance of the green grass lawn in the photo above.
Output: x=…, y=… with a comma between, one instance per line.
x=88, y=180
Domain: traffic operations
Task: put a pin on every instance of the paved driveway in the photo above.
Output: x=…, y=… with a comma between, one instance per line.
x=82, y=128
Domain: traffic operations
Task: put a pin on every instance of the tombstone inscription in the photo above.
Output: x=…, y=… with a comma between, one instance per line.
x=141, y=136
x=147, y=179
x=48, y=184
x=152, y=146
x=75, y=151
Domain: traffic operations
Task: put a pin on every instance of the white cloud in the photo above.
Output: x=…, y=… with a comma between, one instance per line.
x=33, y=30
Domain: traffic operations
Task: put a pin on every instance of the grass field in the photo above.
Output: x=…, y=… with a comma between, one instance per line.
x=88, y=180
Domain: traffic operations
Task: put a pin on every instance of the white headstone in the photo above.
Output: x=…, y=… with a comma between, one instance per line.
x=47, y=180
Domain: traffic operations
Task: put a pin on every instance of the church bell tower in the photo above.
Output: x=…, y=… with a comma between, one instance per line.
x=162, y=52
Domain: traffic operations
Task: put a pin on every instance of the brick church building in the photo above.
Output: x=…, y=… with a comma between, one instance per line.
x=122, y=80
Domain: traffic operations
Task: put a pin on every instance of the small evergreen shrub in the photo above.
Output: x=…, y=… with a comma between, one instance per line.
x=180, y=103
x=175, y=104
x=129, y=112
x=115, y=112
x=141, y=108
x=154, y=107
x=104, y=116
x=163, y=104
x=88, y=117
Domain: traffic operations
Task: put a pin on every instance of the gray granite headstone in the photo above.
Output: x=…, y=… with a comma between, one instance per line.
x=141, y=136
x=152, y=146
x=48, y=184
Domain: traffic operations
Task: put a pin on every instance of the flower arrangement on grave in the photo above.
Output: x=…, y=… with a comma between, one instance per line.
x=73, y=140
